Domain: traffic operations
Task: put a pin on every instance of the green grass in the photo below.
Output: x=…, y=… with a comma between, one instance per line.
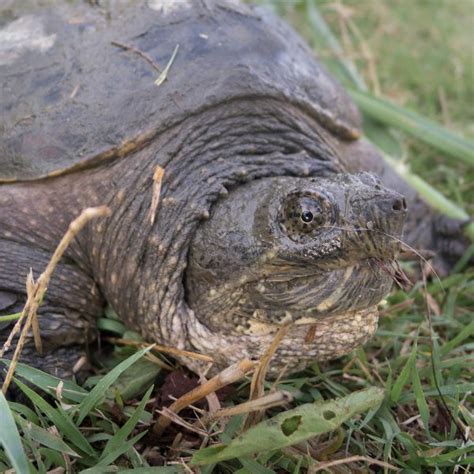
x=423, y=57
x=421, y=356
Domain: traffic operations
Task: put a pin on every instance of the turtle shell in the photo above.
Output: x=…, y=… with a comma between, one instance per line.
x=83, y=83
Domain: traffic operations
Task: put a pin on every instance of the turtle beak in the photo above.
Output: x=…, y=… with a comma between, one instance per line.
x=381, y=221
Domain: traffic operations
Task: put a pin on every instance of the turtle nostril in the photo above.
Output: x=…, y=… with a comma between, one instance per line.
x=398, y=205
x=404, y=204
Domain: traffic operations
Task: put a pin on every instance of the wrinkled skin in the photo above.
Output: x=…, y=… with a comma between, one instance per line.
x=299, y=250
x=227, y=258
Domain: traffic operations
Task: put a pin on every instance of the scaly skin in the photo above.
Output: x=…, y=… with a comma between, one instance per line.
x=139, y=268
x=256, y=264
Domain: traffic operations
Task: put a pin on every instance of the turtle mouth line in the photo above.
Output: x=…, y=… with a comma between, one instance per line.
x=357, y=314
x=311, y=323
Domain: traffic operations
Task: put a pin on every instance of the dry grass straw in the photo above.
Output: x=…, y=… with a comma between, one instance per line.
x=164, y=74
x=36, y=290
x=348, y=27
x=228, y=376
x=263, y=403
x=160, y=348
x=325, y=465
x=257, y=386
x=175, y=418
x=157, y=179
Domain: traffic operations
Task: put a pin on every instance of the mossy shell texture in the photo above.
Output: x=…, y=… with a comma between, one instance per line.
x=71, y=98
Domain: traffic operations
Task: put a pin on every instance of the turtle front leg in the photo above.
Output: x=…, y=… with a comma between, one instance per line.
x=66, y=317
x=450, y=241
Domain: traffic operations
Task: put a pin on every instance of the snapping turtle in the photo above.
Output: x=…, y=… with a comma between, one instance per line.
x=273, y=208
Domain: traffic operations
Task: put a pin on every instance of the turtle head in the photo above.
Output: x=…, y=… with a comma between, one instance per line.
x=312, y=251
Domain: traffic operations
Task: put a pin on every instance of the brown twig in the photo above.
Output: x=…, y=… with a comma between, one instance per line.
x=230, y=375
x=160, y=348
x=271, y=400
x=38, y=288
x=175, y=418
x=212, y=399
x=140, y=53
x=80, y=363
x=157, y=361
x=15, y=330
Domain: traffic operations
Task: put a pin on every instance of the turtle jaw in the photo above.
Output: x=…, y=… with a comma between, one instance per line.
x=318, y=295
x=303, y=344
x=327, y=339
x=335, y=331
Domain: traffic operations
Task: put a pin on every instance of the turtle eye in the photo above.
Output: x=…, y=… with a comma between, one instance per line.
x=302, y=215
x=306, y=216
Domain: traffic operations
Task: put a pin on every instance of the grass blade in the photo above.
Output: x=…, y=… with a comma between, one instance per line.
x=380, y=109
x=111, y=325
x=293, y=426
x=48, y=383
x=119, y=450
x=466, y=333
x=45, y=438
x=24, y=411
x=119, y=438
x=453, y=390
x=137, y=470
x=346, y=71
x=427, y=192
x=251, y=466
x=10, y=438
x=404, y=376
x=10, y=317
x=421, y=402
x=59, y=418
x=432, y=196
x=324, y=37
x=134, y=381
x=416, y=125
x=98, y=392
